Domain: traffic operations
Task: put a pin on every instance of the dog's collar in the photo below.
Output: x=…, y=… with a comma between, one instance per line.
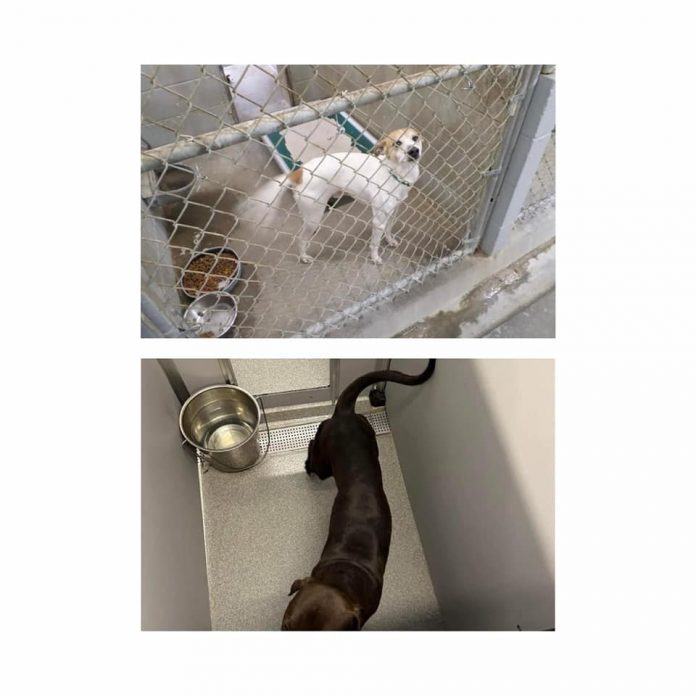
x=347, y=561
x=400, y=180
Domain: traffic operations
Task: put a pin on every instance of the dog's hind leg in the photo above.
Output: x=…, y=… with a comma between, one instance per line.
x=312, y=212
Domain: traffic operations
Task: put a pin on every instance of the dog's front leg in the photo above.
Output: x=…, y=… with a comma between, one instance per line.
x=315, y=465
x=390, y=239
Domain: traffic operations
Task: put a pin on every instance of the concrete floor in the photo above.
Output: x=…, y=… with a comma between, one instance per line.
x=538, y=320
x=476, y=294
x=497, y=299
x=265, y=527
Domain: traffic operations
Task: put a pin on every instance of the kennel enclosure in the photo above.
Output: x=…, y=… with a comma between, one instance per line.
x=215, y=138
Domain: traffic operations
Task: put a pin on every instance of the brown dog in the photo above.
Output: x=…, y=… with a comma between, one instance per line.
x=345, y=587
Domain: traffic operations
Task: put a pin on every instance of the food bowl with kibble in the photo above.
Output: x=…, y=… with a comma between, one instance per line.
x=216, y=269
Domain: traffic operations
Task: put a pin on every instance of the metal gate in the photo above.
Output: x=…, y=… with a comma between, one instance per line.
x=217, y=139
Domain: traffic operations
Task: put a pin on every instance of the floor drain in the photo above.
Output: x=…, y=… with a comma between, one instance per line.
x=298, y=436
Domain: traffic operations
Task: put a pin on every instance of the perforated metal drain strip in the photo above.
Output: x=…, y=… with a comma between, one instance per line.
x=298, y=436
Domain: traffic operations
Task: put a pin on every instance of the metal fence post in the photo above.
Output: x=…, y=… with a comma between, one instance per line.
x=153, y=322
x=534, y=136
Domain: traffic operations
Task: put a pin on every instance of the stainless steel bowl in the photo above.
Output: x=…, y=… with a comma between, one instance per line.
x=211, y=315
x=174, y=184
x=222, y=423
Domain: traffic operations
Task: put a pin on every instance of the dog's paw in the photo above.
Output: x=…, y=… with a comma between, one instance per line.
x=306, y=258
x=377, y=259
x=392, y=241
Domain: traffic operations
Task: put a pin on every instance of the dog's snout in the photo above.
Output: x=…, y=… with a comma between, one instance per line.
x=414, y=153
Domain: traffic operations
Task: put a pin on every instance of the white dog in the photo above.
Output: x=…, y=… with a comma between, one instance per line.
x=382, y=179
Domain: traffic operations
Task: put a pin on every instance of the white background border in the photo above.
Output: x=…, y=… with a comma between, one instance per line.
x=625, y=349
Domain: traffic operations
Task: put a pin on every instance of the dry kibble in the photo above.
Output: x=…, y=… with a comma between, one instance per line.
x=209, y=273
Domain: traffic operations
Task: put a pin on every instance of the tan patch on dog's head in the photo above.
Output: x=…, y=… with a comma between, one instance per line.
x=295, y=177
x=390, y=143
x=381, y=146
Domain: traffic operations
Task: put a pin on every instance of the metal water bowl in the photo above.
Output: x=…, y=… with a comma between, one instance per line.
x=174, y=184
x=222, y=423
x=211, y=315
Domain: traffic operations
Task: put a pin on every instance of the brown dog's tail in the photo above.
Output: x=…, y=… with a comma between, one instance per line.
x=346, y=402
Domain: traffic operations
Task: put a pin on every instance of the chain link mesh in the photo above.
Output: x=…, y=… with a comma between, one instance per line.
x=230, y=199
x=542, y=192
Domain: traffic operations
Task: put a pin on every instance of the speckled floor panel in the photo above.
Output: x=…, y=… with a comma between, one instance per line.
x=269, y=376
x=267, y=526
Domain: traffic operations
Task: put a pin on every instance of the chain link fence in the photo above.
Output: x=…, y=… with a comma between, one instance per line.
x=218, y=143
x=542, y=193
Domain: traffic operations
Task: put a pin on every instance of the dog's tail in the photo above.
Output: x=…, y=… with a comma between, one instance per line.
x=346, y=402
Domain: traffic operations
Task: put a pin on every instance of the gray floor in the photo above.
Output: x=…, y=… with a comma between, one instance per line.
x=275, y=375
x=501, y=297
x=266, y=527
x=538, y=320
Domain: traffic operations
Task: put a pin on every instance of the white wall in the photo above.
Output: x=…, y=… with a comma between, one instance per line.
x=475, y=445
x=173, y=569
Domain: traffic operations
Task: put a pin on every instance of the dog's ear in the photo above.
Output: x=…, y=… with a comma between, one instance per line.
x=298, y=585
x=354, y=622
x=380, y=146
